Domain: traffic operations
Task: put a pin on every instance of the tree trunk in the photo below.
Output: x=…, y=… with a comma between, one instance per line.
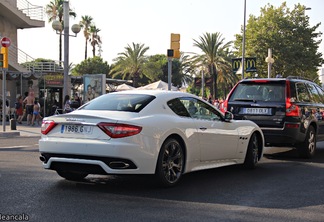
x=94, y=50
x=85, y=50
x=213, y=73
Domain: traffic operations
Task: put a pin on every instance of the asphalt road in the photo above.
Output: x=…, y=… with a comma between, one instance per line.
x=282, y=188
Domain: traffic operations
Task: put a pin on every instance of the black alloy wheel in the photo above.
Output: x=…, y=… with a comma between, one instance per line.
x=308, y=147
x=252, y=154
x=170, y=163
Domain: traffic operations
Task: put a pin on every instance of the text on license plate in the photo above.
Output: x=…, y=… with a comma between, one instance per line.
x=264, y=111
x=79, y=129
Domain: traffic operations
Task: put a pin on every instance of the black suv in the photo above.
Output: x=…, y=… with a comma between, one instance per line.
x=290, y=111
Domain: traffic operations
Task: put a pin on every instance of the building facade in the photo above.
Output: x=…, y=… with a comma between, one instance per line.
x=14, y=15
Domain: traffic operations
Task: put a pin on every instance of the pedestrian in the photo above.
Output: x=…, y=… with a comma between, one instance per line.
x=29, y=101
x=19, y=109
x=67, y=104
x=36, y=114
x=76, y=102
x=210, y=99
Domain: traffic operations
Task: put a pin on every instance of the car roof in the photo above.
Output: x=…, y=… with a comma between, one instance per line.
x=290, y=78
x=264, y=79
x=159, y=93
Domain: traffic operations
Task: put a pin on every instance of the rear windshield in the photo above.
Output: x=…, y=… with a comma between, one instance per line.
x=259, y=91
x=119, y=102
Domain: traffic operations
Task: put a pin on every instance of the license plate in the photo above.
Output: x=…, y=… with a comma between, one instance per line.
x=258, y=111
x=76, y=129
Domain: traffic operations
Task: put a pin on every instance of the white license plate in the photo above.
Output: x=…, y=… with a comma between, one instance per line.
x=76, y=129
x=260, y=111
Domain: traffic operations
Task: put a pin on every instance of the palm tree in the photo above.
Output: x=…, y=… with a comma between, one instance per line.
x=94, y=38
x=213, y=46
x=226, y=77
x=186, y=69
x=85, y=23
x=54, y=11
x=130, y=62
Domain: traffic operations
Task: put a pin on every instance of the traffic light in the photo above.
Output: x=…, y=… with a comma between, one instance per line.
x=4, y=57
x=175, y=45
x=1, y=60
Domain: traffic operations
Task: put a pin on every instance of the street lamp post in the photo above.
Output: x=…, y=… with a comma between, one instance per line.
x=270, y=61
x=243, y=42
x=66, y=23
x=75, y=29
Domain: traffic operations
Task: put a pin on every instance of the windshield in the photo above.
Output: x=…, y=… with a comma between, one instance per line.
x=258, y=91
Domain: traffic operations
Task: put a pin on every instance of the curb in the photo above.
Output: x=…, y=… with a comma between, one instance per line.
x=9, y=134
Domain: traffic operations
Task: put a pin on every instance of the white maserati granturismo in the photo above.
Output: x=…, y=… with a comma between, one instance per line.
x=166, y=133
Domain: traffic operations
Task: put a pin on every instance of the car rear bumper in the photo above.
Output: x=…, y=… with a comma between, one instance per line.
x=283, y=136
x=105, y=157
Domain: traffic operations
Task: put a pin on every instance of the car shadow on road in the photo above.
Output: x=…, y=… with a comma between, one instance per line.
x=293, y=155
x=280, y=185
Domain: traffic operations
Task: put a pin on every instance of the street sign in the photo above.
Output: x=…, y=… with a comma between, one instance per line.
x=5, y=42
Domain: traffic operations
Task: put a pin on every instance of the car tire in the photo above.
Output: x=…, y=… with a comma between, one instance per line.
x=307, y=148
x=75, y=176
x=170, y=163
x=252, y=153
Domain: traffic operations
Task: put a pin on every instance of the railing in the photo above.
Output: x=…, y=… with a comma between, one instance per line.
x=26, y=61
x=43, y=67
x=33, y=11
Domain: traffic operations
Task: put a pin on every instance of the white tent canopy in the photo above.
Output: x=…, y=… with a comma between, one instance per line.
x=159, y=85
x=124, y=87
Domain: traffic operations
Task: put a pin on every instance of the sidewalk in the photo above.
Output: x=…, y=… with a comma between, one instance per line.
x=21, y=130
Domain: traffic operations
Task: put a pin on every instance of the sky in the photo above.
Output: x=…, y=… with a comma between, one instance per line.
x=151, y=22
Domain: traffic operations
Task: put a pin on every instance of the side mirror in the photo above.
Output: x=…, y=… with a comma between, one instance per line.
x=228, y=116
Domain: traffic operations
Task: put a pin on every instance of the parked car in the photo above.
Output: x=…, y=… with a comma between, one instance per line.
x=147, y=132
x=288, y=110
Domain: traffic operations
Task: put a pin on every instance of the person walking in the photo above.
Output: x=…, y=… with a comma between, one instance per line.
x=19, y=109
x=67, y=104
x=76, y=103
x=29, y=101
x=36, y=114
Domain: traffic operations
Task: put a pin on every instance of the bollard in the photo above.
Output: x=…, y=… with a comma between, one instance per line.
x=12, y=124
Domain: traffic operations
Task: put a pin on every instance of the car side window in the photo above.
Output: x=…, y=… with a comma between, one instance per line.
x=320, y=93
x=178, y=107
x=207, y=112
x=302, y=92
x=200, y=110
x=314, y=93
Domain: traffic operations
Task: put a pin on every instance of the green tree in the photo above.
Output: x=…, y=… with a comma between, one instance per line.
x=156, y=68
x=293, y=41
x=93, y=65
x=186, y=70
x=95, y=39
x=129, y=64
x=85, y=23
x=153, y=68
x=213, y=46
x=226, y=78
x=54, y=11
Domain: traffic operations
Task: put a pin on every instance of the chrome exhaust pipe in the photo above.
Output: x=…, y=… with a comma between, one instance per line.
x=118, y=165
x=42, y=158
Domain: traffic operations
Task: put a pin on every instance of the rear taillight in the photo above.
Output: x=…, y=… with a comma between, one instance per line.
x=291, y=108
x=115, y=130
x=47, y=126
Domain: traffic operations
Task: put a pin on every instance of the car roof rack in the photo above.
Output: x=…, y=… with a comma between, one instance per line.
x=298, y=77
